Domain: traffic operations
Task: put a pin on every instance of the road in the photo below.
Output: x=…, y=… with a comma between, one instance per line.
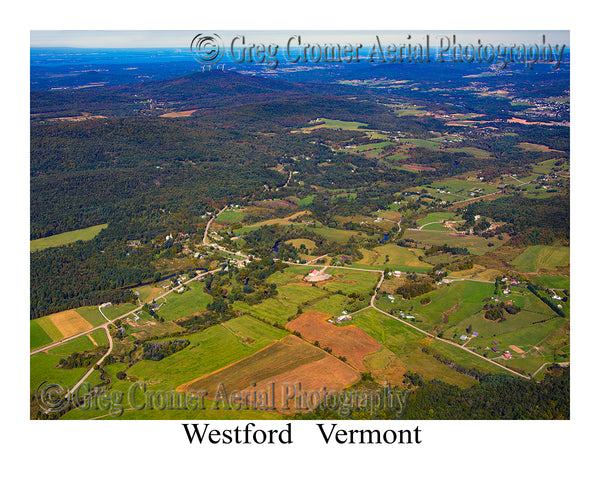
x=209, y=222
x=563, y=364
x=91, y=370
x=109, y=322
x=288, y=180
x=475, y=198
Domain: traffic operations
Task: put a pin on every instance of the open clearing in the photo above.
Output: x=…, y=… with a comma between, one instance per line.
x=541, y=257
x=475, y=244
x=184, y=113
x=179, y=305
x=394, y=257
x=335, y=124
x=347, y=341
x=83, y=234
x=231, y=216
x=279, y=221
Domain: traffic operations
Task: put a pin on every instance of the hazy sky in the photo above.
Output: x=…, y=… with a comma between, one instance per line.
x=182, y=38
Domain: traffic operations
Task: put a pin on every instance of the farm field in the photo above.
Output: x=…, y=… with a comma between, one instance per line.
x=44, y=365
x=552, y=281
x=449, y=304
x=231, y=216
x=542, y=257
x=336, y=124
x=394, y=257
x=303, y=202
x=475, y=244
x=209, y=350
x=73, y=236
x=293, y=293
x=54, y=327
x=179, y=305
x=476, y=152
x=147, y=293
x=345, y=341
x=436, y=217
x=289, y=220
x=287, y=361
x=350, y=281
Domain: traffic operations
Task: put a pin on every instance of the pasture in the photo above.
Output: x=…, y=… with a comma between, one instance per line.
x=475, y=244
x=66, y=238
x=449, y=304
x=552, y=281
x=542, y=257
x=336, y=124
x=209, y=350
x=178, y=305
x=394, y=257
x=350, y=281
x=231, y=216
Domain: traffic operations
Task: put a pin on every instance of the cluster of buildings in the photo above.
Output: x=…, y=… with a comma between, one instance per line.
x=342, y=318
x=317, y=276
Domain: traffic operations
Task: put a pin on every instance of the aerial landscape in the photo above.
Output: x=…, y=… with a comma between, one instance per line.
x=247, y=242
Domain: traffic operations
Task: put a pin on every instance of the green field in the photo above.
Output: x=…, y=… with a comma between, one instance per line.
x=422, y=143
x=475, y=244
x=408, y=112
x=231, y=216
x=209, y=350
x=337, y=235
x=42, y=368
x=179, y=305
x=552, y=281
x=540, y=257
x=37, y=336
x=306, y=200
x=48, y=327
x=79, y=344
x=547, y=166
x=66, y=238
x=393, y=257
x=435, y=217
x=329, y=123
x=449, y=304
x=407, y=344
x=351, y=281
x=476, y=152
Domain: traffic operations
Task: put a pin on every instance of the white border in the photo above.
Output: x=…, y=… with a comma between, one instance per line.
x=159, y=449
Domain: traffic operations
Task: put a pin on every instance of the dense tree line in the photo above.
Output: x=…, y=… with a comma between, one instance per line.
x=158, y=350
x=494, y=397
x=532, y=220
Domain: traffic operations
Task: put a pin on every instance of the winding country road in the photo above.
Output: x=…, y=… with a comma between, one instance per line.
x=109, y=322
x=433, y=336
